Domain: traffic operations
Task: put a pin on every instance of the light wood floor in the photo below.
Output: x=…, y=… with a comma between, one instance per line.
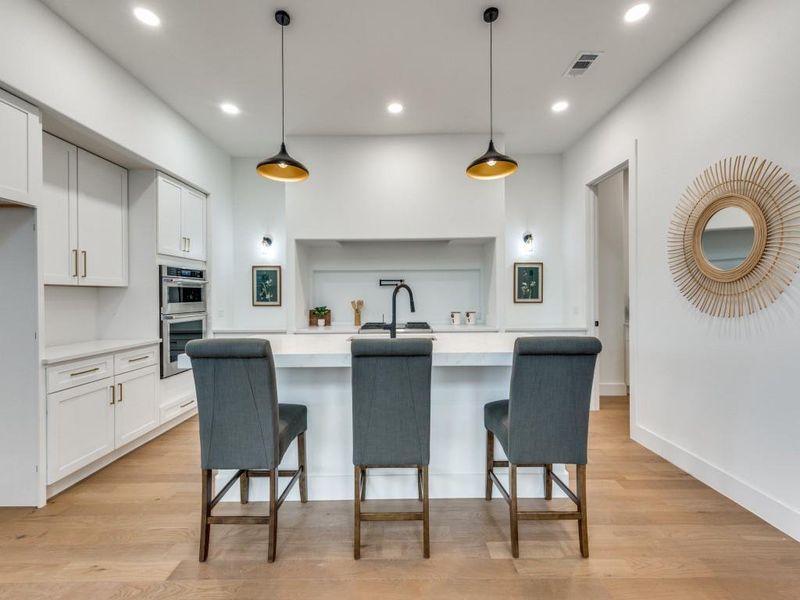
x=131, y=531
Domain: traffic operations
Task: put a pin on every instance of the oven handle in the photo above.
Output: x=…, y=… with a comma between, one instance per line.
x=184, y=317
x=184, y=282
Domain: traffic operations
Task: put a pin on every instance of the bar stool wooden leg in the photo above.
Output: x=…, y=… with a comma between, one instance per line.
x=426, y=515
x=358, y=473
x=420, y=491
x=512, y=478
x=548, y=482
x=489, y=462
x=363, y=483
x=205, y=526
x=583, y=524
x=301, y=461
x=244, y=487
x=273, y=514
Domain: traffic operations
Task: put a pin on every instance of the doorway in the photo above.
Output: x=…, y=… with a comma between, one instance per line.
x=610, y=197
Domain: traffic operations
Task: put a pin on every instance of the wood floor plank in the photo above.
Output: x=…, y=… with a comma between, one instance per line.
x=131, y=531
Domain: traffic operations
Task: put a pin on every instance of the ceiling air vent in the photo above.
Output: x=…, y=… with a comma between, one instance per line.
x=581, y=64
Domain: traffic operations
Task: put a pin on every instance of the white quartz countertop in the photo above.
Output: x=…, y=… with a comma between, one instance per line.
x=56, y=354
x=333, y=350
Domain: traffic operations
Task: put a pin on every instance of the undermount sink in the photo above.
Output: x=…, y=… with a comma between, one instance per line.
x=410, y=327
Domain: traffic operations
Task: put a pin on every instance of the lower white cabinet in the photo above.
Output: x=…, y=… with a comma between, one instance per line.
x=136, y=408
x=87, y=420
x=80, y=427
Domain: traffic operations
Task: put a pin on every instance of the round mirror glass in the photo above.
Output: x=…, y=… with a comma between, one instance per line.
x=728, y=238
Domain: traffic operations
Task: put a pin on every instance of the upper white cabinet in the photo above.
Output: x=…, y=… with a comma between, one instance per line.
x=181, y=219
x=84, y=217
x=20, y=131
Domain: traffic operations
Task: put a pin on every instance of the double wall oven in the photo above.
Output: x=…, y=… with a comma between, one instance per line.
x=183, y=313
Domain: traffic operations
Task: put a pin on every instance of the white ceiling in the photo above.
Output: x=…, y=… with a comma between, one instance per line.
x=347, y=59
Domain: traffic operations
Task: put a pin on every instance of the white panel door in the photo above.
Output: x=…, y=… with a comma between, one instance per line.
x=102, y=221
x=80, y=427
x=14, y=150
x=193, y=223
x=137, y=404
x=170, y=238
x=58, y=212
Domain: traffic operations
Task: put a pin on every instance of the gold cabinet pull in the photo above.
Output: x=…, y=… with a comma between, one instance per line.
x=113, y=396
x=84, y=372
x=189, y=242
x=190, y=402
x=75, y=262
x=83, y=252
x=138, y=358
x=120, y=393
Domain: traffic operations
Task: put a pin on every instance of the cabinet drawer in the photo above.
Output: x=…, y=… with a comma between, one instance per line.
x=177, y=407
x=135, y=359
x=66, y=375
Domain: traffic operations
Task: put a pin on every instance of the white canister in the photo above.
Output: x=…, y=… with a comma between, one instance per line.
x=455, y=318
x=472, y=317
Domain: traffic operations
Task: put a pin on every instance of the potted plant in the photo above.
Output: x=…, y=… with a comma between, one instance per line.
x=321, y=314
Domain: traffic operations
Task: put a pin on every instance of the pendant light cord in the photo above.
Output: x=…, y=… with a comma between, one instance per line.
x=283, y=93
x=491, y=82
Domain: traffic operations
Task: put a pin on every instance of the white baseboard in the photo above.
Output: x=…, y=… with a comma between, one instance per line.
x=84, y=472
x=613, y=389
x=772, y=510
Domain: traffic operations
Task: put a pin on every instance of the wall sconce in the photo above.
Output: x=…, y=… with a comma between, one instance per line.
x=527, y=241
x=266, y=242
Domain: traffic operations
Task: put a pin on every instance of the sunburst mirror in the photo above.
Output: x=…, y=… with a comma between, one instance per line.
x=734, y=240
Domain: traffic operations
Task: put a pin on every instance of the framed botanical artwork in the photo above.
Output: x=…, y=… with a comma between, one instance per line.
x=266, y=285
x=528, y=282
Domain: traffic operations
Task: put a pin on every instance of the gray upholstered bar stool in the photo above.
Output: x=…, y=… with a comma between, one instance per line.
x=391, y=421
x=243, y=428
x=544, y=421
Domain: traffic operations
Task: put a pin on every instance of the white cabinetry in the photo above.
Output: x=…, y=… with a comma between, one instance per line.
x=98, y=404
x=136, y=410
x=20, y=131
x=84, y=217
x=181, y=219
x=80, y=427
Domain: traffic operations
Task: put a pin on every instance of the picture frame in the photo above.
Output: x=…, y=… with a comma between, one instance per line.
x=528, y=282
x=267, y=285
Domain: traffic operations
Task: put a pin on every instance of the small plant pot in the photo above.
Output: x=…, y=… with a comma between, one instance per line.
x=321, y=322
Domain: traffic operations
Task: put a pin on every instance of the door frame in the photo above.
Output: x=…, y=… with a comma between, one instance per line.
x=593, y=264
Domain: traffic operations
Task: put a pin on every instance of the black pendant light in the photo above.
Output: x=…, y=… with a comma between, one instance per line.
x=282, y=167
x=493, y=164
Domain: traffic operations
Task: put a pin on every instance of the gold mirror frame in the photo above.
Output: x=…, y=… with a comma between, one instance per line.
x=772, y=201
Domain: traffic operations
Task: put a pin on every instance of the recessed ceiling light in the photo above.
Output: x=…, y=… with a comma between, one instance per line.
x=229, y=108
x=395, y=108
x=560, y=106
x=147, y=16
x=637, y=12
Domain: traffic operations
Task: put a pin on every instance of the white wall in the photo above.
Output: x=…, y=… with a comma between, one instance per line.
x=717, y=397
x=360, y=188
x=390, y=187
x=533, y=203
x=19, y=367
x=612, y=285
x=51, y=64
x=259, y=208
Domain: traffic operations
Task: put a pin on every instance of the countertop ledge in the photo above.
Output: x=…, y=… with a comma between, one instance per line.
x=57, y=354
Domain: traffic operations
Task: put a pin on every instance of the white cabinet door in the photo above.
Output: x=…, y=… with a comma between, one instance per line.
x=193, y=223
x=58, y=212
x=137, y=404
x=16, y=149
x=102, y=221
x=170, y=238
x=80, y=427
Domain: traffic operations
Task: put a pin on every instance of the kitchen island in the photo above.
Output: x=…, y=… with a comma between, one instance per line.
x=469, y=370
